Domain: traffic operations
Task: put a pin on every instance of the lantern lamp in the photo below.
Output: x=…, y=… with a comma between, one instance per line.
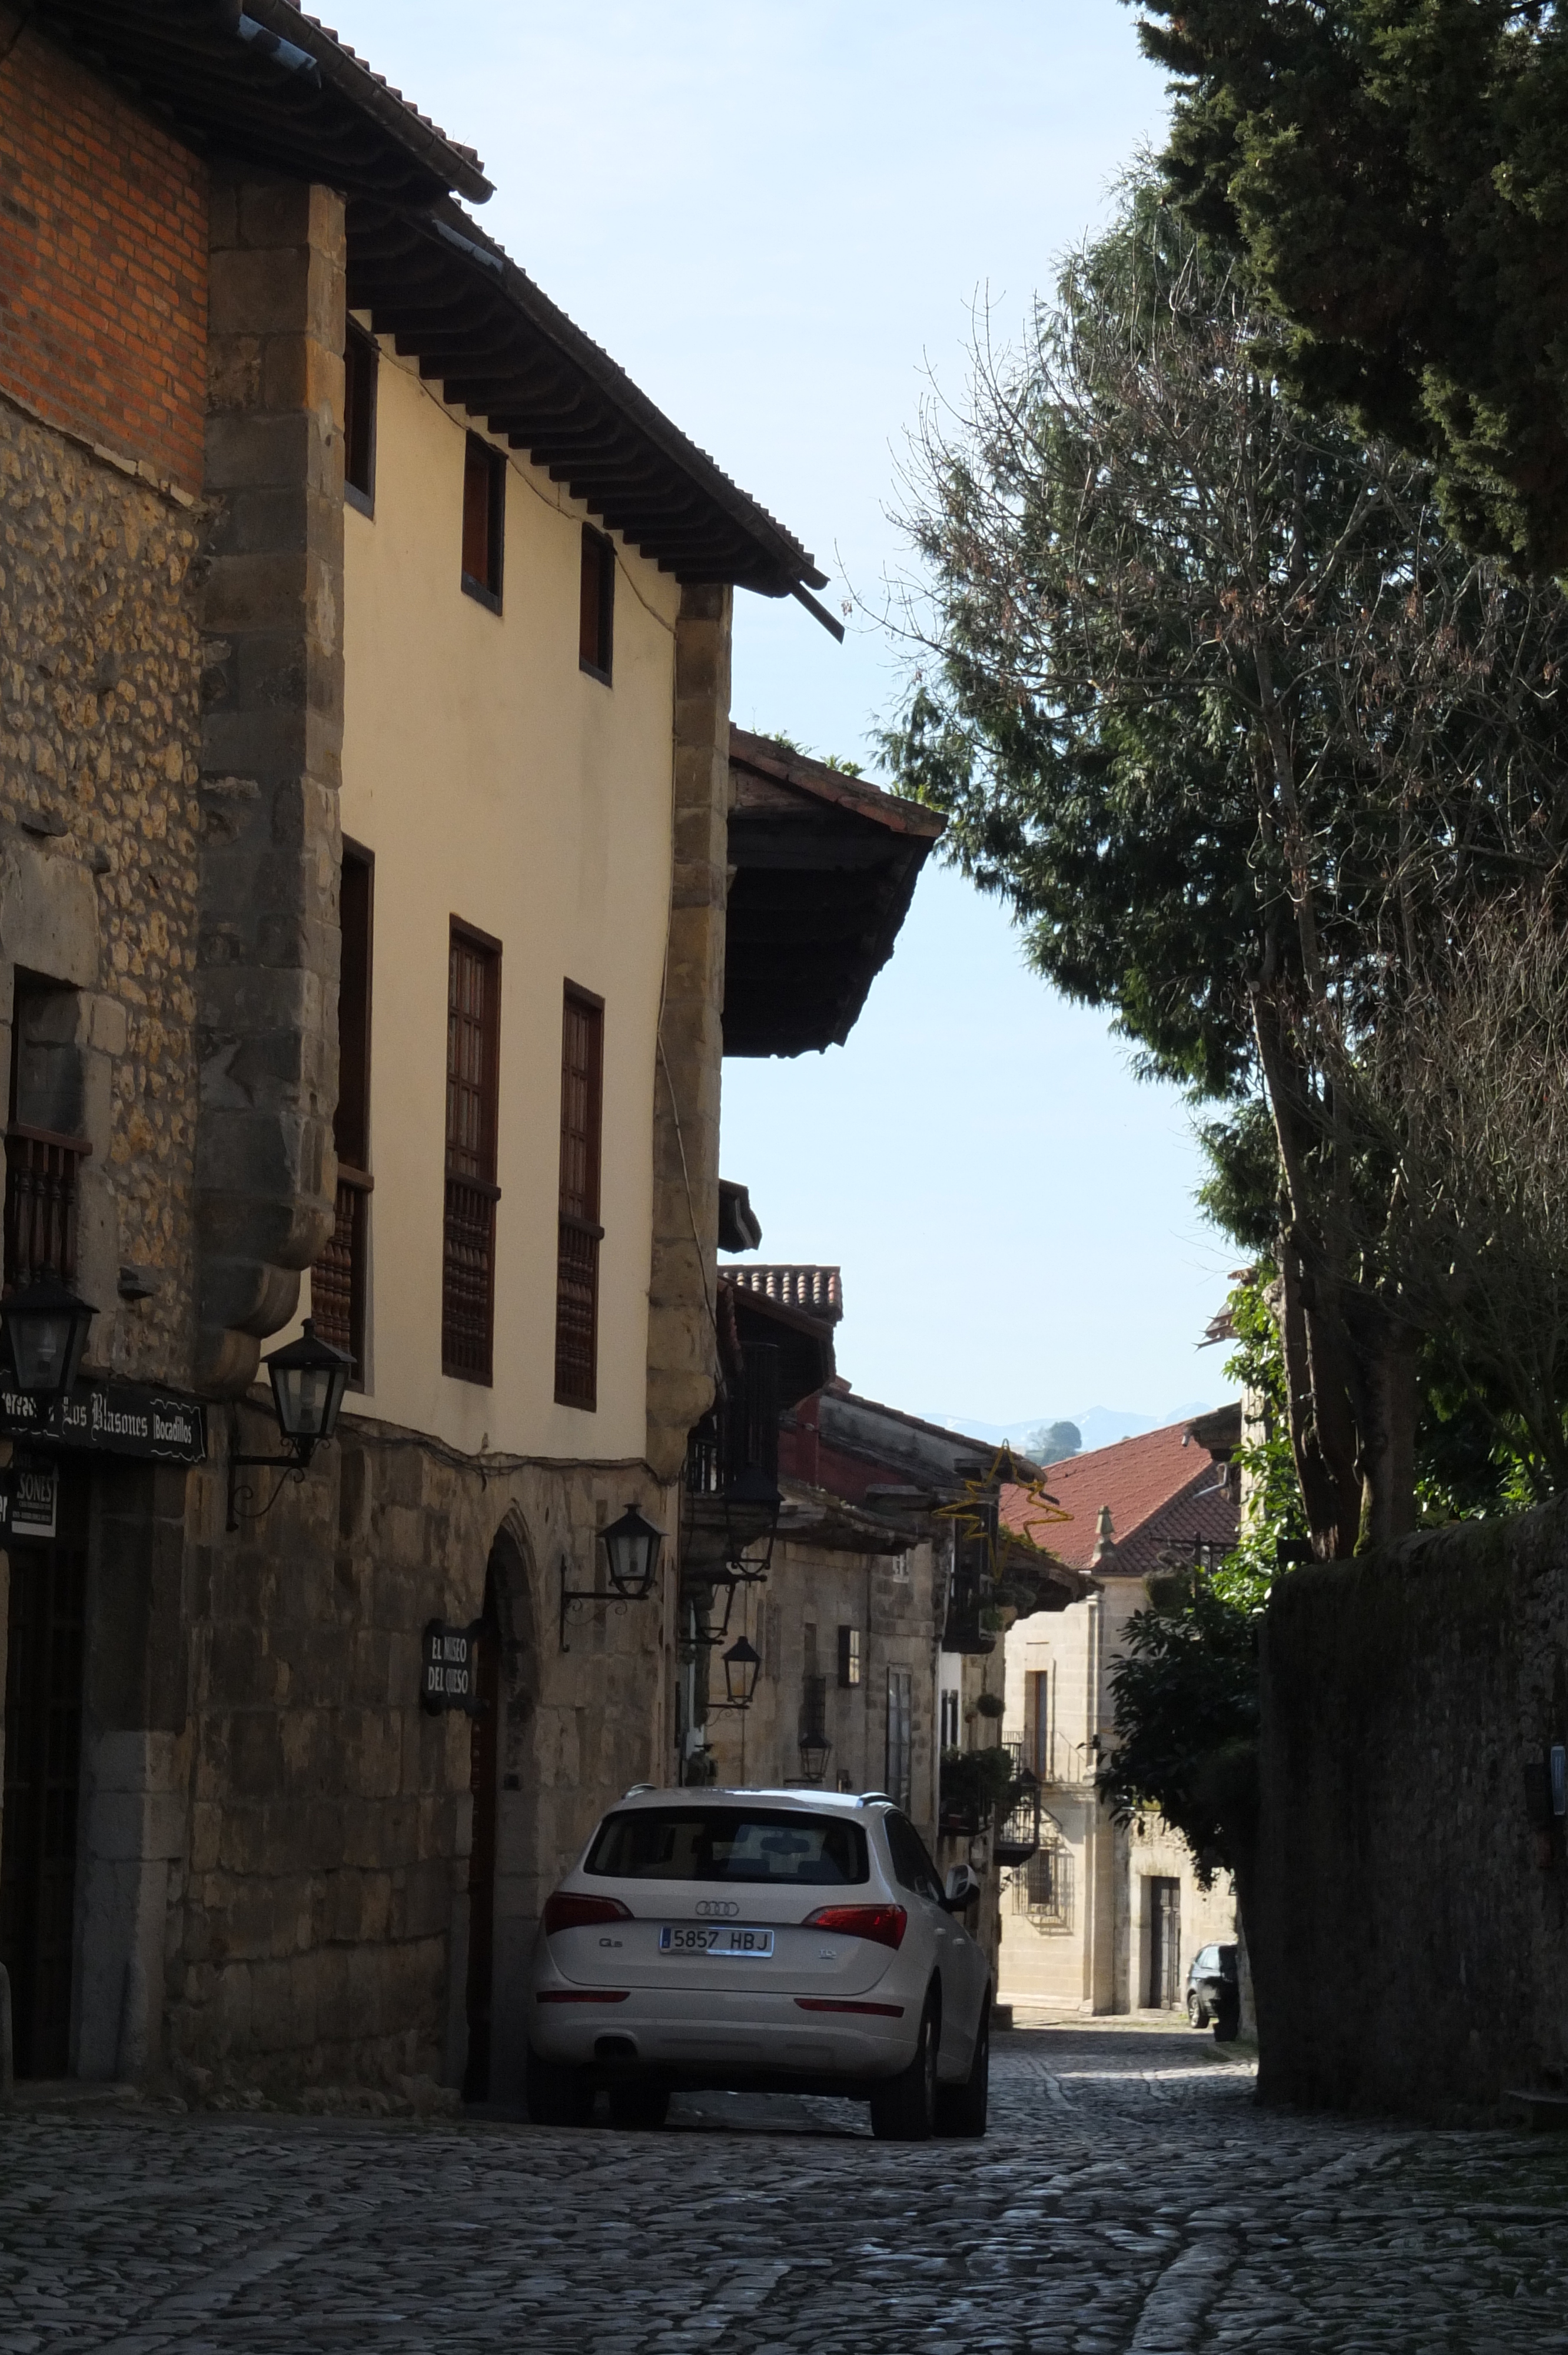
x=814, y=1749
x=742, y=1666
x=633, y=1545
x=45, y=1327
x=309, y=1378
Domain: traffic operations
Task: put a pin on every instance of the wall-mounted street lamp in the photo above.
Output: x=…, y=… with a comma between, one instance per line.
x=45, y=1329
x=742, y=1666
x=309, y=1378
x=631, y=1548
x=814, y=1749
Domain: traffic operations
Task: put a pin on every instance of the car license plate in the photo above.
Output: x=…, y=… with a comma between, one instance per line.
x=715, y=1938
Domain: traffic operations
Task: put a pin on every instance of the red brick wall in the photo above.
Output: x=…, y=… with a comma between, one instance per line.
x=102, y=262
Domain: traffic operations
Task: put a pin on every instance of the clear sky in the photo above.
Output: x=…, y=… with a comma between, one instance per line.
x=779, y=215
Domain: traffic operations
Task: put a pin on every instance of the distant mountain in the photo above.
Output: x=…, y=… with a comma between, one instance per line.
x=1102, y=1426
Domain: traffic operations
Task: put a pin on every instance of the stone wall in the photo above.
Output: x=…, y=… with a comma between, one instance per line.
x=271, y=747
x=1411, y=1945
x=681, y=1350
x=316, y=1920
x=101, y=664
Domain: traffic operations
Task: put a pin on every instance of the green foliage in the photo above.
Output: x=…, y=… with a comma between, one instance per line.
x=1242, y=1191
x=1185, y=1691
x=976, y=1783
x=1272, y=1514
x=1212, y=699
x=823, y=760
x=1397, y=174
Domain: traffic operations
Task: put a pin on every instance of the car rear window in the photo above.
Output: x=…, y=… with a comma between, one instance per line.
x=730, y=1844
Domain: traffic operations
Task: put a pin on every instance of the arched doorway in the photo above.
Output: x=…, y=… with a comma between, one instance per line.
x=485, y=1753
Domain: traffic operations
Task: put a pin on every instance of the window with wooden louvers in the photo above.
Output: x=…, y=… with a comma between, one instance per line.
x=580, y=1231
x=468, y=1266
x=339, y=1280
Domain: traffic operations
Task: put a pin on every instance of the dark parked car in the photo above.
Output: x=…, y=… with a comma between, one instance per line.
x=1213, y=1993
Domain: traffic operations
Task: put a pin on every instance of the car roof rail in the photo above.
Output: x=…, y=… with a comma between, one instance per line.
x=875, y=1798
x=635, y=1790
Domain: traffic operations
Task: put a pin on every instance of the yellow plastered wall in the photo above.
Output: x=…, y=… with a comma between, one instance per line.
x=496, y=781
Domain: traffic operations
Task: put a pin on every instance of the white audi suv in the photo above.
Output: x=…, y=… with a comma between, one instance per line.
x=769, y=1941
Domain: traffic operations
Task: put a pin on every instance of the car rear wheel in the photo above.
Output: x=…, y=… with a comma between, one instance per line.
x=962, y=2109
x=556, y=2096
x=1196, y=2015
x=905, y=2108
x=639, y=2108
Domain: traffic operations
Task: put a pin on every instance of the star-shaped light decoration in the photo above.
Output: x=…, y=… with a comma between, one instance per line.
x=977, y=1513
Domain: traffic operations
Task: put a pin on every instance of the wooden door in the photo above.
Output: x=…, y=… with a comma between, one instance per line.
x=1165, y=1944
x=46, y=1642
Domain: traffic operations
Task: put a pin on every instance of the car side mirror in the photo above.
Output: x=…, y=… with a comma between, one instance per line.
x=963, y=1888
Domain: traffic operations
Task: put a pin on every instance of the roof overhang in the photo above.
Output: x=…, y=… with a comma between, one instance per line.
x=805, y=1345
x=813, y=1516
x=498, y=347
x=824, y=869
x=263, y=82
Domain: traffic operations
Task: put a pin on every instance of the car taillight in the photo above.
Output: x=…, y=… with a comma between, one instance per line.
x=883, y=1924
x=567, y=1910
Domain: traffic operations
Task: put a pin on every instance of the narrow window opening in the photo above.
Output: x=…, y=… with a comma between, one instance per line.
x=597, y=619
x=360, y=361
x=483, y=520
x=45, y=1145
x=339, y=1280
x=473, y=1063
x=849, y=1655
x=579, y=1233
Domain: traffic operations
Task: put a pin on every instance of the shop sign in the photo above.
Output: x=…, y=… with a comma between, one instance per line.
x=112, y=1419
x=29, y=1496
x=451, y=1678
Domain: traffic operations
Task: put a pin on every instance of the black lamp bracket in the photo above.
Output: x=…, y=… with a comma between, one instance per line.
x=570, y=1595
x=249, y=1510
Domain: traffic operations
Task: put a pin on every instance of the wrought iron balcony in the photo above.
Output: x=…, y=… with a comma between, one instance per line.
x=732, y=1468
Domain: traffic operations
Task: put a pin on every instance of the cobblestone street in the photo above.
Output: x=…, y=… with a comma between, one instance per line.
x=1128, y=2197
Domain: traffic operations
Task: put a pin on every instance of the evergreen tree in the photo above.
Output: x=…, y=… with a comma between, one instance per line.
x=1395, y=173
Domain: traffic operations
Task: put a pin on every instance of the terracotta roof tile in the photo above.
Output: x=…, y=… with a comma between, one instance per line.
x=814, y=1291
x=1163, y=1491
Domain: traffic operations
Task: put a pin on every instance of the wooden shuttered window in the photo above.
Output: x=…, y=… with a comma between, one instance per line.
x=473, y=1063
x=339, y=1280
x=360, y=356
x=483, y=520
x=579, y=1232
x=595, y=621
x=1037, y=1723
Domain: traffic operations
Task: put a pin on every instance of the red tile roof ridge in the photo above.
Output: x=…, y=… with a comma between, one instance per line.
x=1138, y=1477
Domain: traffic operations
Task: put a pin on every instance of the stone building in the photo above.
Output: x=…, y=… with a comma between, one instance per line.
x=1107, y=1917
x=873, y=1633
x=366, y=897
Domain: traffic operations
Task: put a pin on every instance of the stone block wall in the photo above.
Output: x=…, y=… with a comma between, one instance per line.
x=271, y=746
x=100, y=670
x=316, y=1920
x=682, y=1347
x=103, y=261
x=1411, y=1944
